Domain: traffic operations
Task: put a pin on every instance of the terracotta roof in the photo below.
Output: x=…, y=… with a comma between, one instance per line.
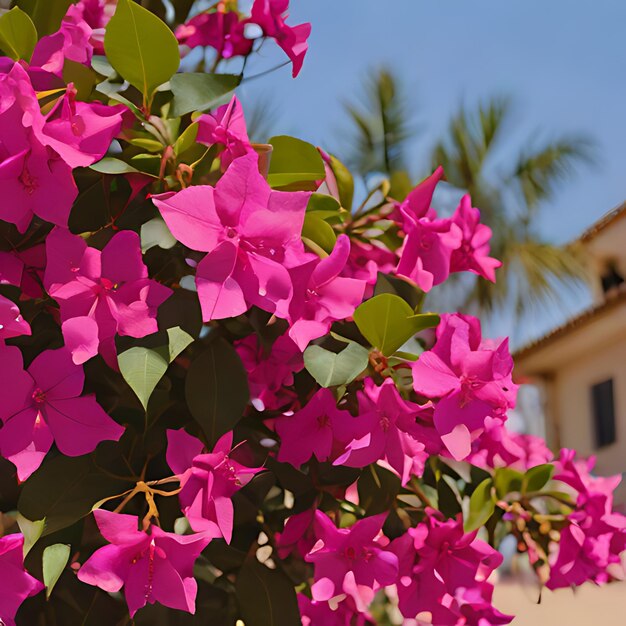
x=613, y=298
x=606, y=220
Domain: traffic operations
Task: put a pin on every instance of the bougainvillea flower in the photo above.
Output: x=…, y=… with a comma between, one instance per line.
x=96, y=13
x=227, y=127
x=350, y=561
x=270, y=371
x=311, y=431
x=11, y=269
x=473, y=253
x=208, y=481
x=367, y=259
x=473, y=381
x=417, y=204
x=44, y=404
x=16, y=584
x=222, y=30
x=443, y=571
x=81, y=132
x=499, y=447
x=70, y=42
x=382, y=432
x=318, y=613
x=591, y=544
x=25, y=270
x=250, y=232
x=321, y=296
x=429, y=243
x=297, y=535
x=110, y=287
x=270, y=16
x=154, y=566
x=34, y=178
x=425, y=256
x=12, y=324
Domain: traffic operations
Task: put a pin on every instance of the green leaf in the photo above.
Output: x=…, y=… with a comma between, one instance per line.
x=319, y=231
x=200, y=91
x=141, y=47
x=142, y=369
x=187, y=139
x=63, y=490
x=345, y=182
x=388, y=322
x=31, y=531
x=481, y=506
x=55, y=559
x=46, y=14
x=217, y=389
x=266, y=597
x=83, y=77
x=330, y=369
x=156, y=233
x=392, y=284
x=294, y=162
x=507, y=481
x=18, y=34
x=111, y=165
x=378, y=488
x=537, y=477
x=178, y=341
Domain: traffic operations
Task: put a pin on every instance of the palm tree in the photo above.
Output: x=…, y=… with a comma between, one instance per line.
x=534, y=270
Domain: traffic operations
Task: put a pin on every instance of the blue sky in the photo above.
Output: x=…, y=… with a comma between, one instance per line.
x=563, y=63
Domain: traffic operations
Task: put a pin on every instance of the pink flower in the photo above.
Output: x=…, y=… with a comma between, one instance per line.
x=97, y=14
x=227, y=126
x=24, y=270
x=366, y=260
x=590, y=546
x=70, y=42
x=321, y=614
x=222, y=30
x=44, y=404
x=321, y=296
x=499, y=447
x=312, y=431
x=270, y=370
x=443, y=571
x=81, y=132
x=297, y=535
x=473, y=381
x=426, y=255
x=383, y=431
x=208, y=481
x=473, y=254
x=270, y=16
x=12, y=324
x=252, y=235
x=350, y=561
x=101, y=293
x=34, y=178
x=16, y=583
x=152, y=567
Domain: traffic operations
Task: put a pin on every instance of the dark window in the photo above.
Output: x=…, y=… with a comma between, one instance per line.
x=603, y=412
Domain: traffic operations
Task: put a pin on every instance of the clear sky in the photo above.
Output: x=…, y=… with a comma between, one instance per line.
x=562, y=61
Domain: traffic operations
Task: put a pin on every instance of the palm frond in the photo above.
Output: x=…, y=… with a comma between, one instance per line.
x=380, y=126
x=471, y=138
x=539, y=170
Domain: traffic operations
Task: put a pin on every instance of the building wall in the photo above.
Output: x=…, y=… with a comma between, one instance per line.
x=571, y=390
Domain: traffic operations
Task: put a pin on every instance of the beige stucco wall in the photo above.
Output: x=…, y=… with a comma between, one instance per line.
x=572, y=403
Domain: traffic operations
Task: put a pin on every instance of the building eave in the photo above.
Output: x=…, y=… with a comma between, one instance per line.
x=613, y=300
x=604, y=222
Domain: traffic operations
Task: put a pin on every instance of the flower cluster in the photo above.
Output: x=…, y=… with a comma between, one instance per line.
x=204, y=344
x=232, y=35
